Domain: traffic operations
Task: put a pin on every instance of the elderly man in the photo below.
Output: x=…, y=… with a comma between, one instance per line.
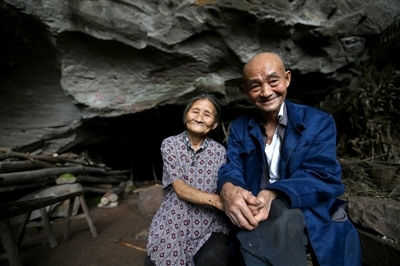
x=281, y=180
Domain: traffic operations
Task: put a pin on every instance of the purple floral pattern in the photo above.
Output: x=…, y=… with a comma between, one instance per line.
x=180, y=228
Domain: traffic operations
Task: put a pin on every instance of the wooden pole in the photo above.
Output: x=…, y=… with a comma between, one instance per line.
x=10, y=246
x=47, y=228
x=87, y=214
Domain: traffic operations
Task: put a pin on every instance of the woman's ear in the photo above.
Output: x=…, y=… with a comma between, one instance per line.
x=214, y=126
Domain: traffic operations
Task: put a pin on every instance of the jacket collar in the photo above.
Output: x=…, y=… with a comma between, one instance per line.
x=293, y=133
x=291, y=120
x=294, y=128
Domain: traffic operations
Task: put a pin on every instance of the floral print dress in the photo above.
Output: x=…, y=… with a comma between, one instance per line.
x=180, y=228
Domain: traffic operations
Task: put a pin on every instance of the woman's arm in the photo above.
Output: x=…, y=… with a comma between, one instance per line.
x=173, y=172
x=196, y=196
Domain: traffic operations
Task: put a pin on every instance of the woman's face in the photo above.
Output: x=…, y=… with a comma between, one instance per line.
x=200, y=119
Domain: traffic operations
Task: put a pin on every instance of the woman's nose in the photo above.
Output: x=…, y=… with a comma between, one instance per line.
x=199, y=117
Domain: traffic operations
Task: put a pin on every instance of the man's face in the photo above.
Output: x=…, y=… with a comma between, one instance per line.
x=266, y=82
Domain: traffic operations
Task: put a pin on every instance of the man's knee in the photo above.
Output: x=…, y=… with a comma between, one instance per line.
x=285, y=222
x=271, y=242
x=214, y=252
x=280, y=210
x=219, y=255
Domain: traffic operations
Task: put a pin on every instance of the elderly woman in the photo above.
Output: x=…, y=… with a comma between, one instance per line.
x=190, y=228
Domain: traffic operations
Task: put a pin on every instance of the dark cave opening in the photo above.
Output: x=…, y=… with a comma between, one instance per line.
x=132, y=142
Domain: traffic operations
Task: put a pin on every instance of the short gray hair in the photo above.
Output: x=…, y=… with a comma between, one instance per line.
x=209, y=97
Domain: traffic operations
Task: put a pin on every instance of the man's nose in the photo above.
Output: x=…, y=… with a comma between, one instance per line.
x=266, y=90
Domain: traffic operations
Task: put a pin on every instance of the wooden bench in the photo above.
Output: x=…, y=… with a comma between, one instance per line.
x=25, y=208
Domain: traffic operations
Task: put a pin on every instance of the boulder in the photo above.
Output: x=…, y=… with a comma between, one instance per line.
x=377, y=215
x=150, y=199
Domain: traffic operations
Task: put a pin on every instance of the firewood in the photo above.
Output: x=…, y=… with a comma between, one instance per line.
x=29, y=176
x=47, y=158
x=12, y=154
x=17, y=166
x=25, y=186
x=120, y=189
x=108, y=197
x=96, y=189
x=103, y=186
x=113, y=194
x=102, y=179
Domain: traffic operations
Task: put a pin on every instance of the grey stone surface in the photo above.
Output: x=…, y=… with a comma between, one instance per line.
x=379, y=215
x=150, y=199
x=115, y=58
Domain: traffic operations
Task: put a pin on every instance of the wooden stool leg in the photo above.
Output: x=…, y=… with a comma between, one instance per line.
x=10, y=246
x=87, y=215
x=68, y=222
x=48, y=229
x=21, y=231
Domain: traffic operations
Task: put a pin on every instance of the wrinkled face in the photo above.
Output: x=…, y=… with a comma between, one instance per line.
x=266, y=82
x=200, y=119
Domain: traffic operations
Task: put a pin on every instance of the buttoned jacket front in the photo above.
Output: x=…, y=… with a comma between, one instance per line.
x=310, y=176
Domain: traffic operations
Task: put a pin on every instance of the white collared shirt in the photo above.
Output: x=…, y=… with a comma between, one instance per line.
x=273, y=150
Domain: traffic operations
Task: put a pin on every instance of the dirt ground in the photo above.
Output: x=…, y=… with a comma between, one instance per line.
x=122, y=223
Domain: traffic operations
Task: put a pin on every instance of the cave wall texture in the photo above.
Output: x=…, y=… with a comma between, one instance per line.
x=114, y=73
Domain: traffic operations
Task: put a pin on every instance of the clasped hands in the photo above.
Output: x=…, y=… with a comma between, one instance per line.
x=243, y=208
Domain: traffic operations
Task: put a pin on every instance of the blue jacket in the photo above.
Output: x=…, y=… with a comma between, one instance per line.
x=310, y=177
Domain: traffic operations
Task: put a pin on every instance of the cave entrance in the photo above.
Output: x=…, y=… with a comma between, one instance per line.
x=132, y=142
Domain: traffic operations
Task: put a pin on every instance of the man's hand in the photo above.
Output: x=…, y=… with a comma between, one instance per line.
x=261, y=212
x=237, y=203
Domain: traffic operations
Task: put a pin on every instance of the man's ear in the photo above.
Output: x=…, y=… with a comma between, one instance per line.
x=288, y=77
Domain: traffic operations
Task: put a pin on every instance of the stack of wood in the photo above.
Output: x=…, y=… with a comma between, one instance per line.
x=20, y=171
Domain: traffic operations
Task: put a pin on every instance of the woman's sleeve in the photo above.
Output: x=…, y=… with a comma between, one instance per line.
x=172, y=169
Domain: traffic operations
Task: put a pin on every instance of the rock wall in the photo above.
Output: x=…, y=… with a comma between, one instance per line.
x=85, y=72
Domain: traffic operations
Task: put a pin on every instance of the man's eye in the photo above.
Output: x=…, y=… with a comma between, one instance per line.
x=254, y=88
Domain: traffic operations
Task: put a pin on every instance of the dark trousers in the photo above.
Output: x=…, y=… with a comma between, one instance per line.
x=279, y=240
x=214, y=252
